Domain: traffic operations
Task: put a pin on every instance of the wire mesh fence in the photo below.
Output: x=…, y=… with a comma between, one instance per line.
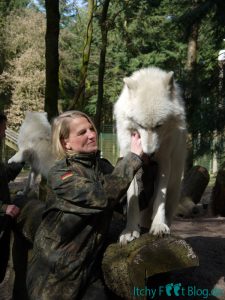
x=109, y=147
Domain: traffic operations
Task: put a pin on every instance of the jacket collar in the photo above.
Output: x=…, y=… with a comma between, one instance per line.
x=87, y=159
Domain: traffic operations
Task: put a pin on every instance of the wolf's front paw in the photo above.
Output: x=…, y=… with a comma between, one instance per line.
x=159, y=229
x=128, y=236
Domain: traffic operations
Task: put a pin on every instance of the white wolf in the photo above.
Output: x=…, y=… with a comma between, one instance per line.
x=34, y=143
x=150, y=103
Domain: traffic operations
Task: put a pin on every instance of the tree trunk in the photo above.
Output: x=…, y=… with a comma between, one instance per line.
x=52, y=58
x=191, y=92
x=129, y=266
x=218, y=193
x=101, y=70
x=192, y=48
x=1, y=150
x=79, y=98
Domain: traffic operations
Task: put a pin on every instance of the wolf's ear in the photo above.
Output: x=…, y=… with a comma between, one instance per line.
x=130, y=83
x=170, y=81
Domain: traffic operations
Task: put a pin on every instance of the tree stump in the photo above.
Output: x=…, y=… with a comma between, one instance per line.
x=193, y=186
x=218, y=193
x=127, y=267
x=195, y=183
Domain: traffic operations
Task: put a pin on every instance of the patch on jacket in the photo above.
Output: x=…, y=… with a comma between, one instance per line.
x=67, y=175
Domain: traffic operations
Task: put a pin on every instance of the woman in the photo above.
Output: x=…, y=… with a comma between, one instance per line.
x=83, y=189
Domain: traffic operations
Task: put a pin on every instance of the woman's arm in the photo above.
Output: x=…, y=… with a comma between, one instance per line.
x=76, y=193
x=117, y=183
x=10, y=171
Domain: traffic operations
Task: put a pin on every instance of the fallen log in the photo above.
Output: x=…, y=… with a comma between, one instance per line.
x=127, y=267
x=193, y=186
x=218, y=193
x=194, y=183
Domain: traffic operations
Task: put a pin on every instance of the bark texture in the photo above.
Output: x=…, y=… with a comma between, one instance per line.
x=130, y=266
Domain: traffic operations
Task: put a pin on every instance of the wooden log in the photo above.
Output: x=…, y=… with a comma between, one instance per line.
x=218, y=193
x=127, y=267
x=194, y=183
x=193, y=186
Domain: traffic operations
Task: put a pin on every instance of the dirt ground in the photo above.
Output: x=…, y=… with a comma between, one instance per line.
x=206, y=235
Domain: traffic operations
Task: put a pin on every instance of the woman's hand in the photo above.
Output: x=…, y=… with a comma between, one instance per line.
x=136, y=146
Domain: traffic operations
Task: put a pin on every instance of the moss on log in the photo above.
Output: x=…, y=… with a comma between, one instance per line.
x=126, y=267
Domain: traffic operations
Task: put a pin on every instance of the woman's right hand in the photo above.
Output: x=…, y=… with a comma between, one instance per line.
x=136, y=146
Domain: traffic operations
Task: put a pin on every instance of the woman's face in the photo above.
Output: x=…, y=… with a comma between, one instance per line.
x=82, y=137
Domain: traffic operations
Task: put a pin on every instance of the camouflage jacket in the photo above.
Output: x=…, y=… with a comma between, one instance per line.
x=82, y=192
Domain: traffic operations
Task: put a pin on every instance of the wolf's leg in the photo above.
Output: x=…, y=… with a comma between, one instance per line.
x=132, y=230
x=173, y=196
x=159, y=223
x=174, y=185
x=30, y=182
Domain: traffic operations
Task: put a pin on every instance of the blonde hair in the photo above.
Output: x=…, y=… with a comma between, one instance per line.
x=61, y=130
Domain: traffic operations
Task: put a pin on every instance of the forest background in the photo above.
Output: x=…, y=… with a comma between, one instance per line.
x=57, y=55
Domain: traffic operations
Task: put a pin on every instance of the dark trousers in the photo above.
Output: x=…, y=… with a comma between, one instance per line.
x=5, y=229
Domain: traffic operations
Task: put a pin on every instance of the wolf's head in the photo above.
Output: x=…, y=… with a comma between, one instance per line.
x=153, y=106
x=34, y=127
x=36, y=117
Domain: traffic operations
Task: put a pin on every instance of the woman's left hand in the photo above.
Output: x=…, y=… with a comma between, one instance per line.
x=136, y=146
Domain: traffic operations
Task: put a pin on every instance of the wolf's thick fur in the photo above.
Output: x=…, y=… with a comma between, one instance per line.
x=34, y=143
x=150, y=103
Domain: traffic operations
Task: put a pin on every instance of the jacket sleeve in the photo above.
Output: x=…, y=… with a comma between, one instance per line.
x=10, y=171
x=117, y=183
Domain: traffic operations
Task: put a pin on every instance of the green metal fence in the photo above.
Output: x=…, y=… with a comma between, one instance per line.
x=210, y=162
x=110, y=150
x=109, y=147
